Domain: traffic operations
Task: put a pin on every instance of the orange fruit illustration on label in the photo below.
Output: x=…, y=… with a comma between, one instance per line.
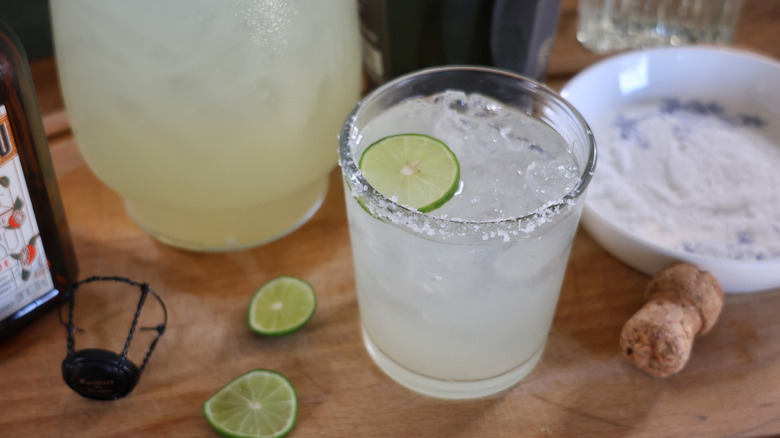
x=26, y=257
x=16, y=220
x=17, y=217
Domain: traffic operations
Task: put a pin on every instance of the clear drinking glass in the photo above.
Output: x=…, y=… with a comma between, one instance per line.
x=214, y=120
x=459, y=308
x=611, y=25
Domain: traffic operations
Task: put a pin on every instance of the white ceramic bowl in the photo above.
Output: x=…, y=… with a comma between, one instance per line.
x=736, y=79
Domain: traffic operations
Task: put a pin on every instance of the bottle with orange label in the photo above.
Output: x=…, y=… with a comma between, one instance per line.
x=37, y=261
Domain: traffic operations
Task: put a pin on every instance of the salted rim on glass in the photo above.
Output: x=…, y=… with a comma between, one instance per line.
x=431, y=225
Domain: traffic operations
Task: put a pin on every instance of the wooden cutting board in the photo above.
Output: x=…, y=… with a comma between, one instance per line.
x=582, y=386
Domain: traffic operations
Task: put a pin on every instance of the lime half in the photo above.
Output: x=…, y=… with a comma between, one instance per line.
x=413, y=169
x=281, y=306
x=258, y=404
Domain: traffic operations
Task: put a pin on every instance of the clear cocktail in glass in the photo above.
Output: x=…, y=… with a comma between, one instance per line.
x=458, y=302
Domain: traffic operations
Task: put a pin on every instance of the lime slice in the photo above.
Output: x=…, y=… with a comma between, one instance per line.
x=413, y=169
x=258, y=404
x=281, y=306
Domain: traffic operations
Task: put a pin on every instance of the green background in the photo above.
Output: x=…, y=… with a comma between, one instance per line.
x=30, y=21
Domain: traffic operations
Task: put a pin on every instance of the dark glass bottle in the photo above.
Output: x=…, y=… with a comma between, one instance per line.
x=37, y=262
x=400, y=36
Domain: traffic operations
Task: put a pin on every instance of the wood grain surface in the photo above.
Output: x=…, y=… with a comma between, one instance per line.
x=581, y=387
